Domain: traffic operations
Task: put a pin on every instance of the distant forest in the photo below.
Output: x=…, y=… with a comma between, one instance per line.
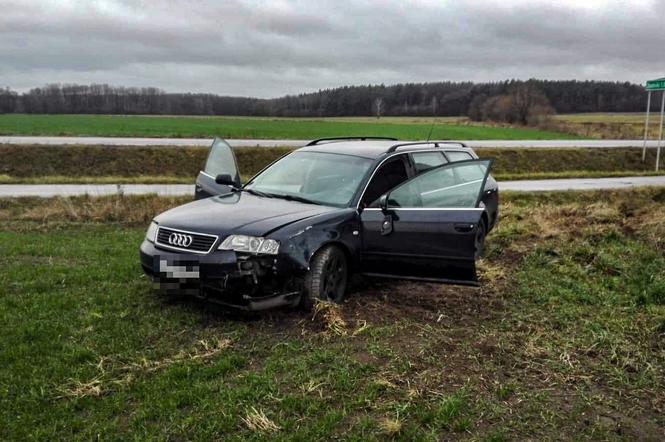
x=410, y=99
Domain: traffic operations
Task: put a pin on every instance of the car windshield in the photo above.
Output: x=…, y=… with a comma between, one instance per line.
x=321, y=178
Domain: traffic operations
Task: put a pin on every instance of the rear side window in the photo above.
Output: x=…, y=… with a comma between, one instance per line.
x=456, y=155
x=428, y=160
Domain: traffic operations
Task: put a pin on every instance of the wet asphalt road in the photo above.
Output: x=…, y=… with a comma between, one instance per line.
x=51, y=190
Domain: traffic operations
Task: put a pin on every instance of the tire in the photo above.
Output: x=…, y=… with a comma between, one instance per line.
x=479, y=240
x=327, y=277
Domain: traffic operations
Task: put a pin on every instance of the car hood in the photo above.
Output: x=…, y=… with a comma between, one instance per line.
x=238, y=213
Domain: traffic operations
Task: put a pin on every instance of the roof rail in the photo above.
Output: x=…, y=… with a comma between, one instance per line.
x=320, y=140
x=394, y=147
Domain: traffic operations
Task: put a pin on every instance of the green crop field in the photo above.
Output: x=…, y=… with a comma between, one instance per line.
x=260, y=128
x=565, y=339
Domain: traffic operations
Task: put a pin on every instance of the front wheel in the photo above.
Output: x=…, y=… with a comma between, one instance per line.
x=327, y=277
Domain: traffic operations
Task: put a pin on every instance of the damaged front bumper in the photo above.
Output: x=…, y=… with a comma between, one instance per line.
x=247, y=282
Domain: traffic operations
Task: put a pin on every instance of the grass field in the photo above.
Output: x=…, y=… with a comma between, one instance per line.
x=94, y=164
x=564, y=340
x=168, y=179
x=261, y=128
x=607, y=125
x=605, y=117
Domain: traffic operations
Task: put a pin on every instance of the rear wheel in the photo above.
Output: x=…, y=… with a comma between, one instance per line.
x=479, y=242
x=327, y=277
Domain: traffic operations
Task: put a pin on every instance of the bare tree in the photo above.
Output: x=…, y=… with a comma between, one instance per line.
x=523, y=104
x=378, y=107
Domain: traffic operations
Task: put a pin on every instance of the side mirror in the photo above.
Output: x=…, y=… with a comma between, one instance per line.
x=383, y=201
x=225, y=179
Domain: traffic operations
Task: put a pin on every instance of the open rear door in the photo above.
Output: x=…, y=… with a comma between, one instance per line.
x=221, y=161
x=427, y=226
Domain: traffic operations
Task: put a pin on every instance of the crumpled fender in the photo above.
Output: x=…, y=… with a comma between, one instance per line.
x=301, y=240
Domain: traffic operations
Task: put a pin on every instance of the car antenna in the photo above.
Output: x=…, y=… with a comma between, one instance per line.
x=431, y=128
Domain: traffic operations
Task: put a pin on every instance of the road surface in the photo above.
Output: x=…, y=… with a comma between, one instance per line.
x=581, y=184
x=51, y=190
x=107, y=141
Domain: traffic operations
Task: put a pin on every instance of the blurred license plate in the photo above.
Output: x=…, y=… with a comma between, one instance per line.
x=178, y=271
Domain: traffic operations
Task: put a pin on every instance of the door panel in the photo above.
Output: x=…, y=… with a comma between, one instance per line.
x=427, y=231
x=424, y=244
x=221, y=161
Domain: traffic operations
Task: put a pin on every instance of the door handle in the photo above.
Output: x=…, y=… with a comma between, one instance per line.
x=387, y=225
x=464, y=228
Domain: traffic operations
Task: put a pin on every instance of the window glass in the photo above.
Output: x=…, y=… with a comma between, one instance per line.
x=389, y=175
x=325, y=178
x=428, y=160
x=449, y=186
x=220, y=160
x=456, y=155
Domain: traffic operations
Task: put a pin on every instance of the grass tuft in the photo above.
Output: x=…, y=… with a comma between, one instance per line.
x=113, y=373
x=256, y=420
x=390, y=426
x=329, y=314
x=82, y=389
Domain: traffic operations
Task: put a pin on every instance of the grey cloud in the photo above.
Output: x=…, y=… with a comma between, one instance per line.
x=272, y=48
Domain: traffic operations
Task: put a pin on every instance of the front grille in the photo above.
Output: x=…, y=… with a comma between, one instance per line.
x=200, y=242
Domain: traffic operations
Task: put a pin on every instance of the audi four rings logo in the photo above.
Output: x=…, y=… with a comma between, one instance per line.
x=179, y=239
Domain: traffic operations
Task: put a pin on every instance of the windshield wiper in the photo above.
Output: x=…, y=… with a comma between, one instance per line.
x=258, y=193
x=300, y=199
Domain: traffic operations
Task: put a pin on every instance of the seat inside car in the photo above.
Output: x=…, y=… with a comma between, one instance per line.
x=387, y=177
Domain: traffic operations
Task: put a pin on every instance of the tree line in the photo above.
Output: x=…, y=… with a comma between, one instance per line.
x=408, y=99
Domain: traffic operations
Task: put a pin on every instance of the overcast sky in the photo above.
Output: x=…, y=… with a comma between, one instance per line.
x=251, y=48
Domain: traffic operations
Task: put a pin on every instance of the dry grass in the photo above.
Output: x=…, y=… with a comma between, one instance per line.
x=390, y=427
x=116, y=208
x=115, y=373
x=111, y=165
x=256, y=420
x=384, y=383
x=204, y=349
x=605, y=125
x=97, y=179
x=329, y=314
x=82, y=389
x=312, y=386
x=21, y=161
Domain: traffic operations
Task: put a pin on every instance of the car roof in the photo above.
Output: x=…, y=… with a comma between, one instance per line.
x=374, y=149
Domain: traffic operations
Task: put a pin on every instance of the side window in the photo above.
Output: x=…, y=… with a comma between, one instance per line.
x=456, y=155
x=428, y=160
x=449, y=186
x=391, y=174
x=221, y=160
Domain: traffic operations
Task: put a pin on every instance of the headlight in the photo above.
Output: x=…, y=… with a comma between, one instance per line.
x=250, y=244
x=152, y=232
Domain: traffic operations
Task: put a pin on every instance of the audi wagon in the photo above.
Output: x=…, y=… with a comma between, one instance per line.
x=296, y=231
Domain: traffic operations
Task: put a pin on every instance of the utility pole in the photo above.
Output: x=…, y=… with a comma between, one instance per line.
x=646, y=128
x=660, y=130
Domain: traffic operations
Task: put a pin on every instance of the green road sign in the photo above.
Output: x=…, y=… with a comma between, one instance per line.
x=656, y=85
